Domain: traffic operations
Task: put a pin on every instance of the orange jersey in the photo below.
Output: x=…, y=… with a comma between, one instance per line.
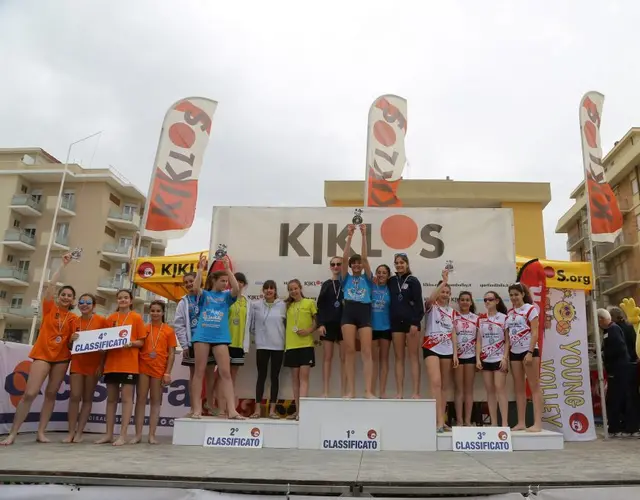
x=125, y=359
x=57, y=326
x=87, y=364
x=159, y=340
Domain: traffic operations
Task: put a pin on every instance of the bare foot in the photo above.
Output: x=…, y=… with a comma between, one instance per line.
x=120, y=441
x=104, y=440
x=42, y=439
x=370, y=395
x=222, y=415
x=136, y=440
x=237, y=416
x=415, y=396
x=68, y=439
x=383, y=395
x=519, y=427
x=255, y=414
x=274, y=416
x=8, y=441
x=196, y=415
x=153, y=440
x=188, y=415
x=348, y=396
x=534, y=428
x=78, y=438
x=398, y=396
x=324, y=395
x=293, y=416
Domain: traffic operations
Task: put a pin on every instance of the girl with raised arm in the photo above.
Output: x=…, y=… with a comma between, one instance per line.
x=465, y=323
x=406, y=311
x=437, y=349
x=121, y=367
x=85, y=370
x=330, y=301
x=50, y=355
x=356, y=315
x=212, y=335
x=522, y=326
x=268, y=327
x=156, y=362
x=299, y=355
x=492, y=350
x=380, y=322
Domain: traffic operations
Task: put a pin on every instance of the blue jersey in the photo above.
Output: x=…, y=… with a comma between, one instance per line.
x=357, y=288
x=381, y=300
x=213, y=323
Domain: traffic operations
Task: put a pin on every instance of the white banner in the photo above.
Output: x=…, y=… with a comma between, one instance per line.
x=102, y=340
x=286, y=243
x=564, y=376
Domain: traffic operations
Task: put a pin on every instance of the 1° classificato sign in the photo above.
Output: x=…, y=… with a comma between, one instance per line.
x=102, y=340
x=350, y=437
x=482, y=439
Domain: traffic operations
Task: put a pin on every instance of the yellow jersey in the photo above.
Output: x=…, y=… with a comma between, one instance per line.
x=300, y=316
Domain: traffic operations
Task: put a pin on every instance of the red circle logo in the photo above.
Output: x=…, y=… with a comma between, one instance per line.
x=399, y=232
x=549, y=272
x=255, y=432
x=372, y=434
x=146, y=270
x=122, y=333
x=502, y=436
x=579, y=423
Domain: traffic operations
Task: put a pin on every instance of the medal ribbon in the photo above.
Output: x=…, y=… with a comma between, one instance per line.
x=154, y=344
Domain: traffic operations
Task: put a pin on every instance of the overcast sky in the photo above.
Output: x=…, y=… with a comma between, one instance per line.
x=492, y=86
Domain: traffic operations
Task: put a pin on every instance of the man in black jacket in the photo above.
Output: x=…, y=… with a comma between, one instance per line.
x=618, y=367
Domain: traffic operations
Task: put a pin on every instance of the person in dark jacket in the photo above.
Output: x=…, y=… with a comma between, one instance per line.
x=406, y=312
x=620, y=318
x=620, y=382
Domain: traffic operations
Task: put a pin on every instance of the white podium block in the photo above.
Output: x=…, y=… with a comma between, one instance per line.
x=275, y=433
x=520, y=440
x=402, y=424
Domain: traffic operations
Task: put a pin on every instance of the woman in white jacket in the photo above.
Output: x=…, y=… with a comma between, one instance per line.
x=268, y=317
x=187, y=314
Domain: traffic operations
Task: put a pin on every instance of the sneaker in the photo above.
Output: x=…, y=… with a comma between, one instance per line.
x=616, y=435
x=635, y=435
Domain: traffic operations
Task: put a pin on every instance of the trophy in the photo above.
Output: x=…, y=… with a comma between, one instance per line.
x=357, y=217
x=449, y=266
x=221, y=252
x=76, y=254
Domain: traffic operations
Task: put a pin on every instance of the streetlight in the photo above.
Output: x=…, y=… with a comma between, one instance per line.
x=34, y=320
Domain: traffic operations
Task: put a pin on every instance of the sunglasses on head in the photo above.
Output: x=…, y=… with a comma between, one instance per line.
x=401, y=254
x=85, y=302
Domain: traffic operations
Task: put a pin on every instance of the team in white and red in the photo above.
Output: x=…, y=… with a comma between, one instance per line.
x=495, y=343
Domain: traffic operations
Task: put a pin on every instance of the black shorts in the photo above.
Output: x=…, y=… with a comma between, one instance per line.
x=520, y=356
x=189, y=358
x=400, y=325
x=428, y=352
x=382, y=335
x=467, y=361
x=121, y=378
x=236, y=355
x=333, y=332
x=356, y=313
x=493, y=366
x=52, y=362
x=303, y=356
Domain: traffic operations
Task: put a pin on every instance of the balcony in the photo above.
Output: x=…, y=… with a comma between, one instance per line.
x=159, y=244
x=67, y=207
x=25, y=205
x=127, y=221
x=112, y=284
x=20, y=240
x=613, y=285
x=607, y=251
x=575, y=242
x=61, y=242
x=13, y=276
x=17, y=313
x=117, y=253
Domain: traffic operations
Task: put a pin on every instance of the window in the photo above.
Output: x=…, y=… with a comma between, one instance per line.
x=62, y=230
x=24, y=189
x=634, y=185
x=105, y=265
x=30, y=231
x=109, y=231
x=638, y=222
x=9, y=258
x=23, y=265
x=68, y=198
x=125, y=242
x=16, y=223
x=36, y=195
x=114, y=199
x=129, y=210
x=16, y=301
x=3, y=294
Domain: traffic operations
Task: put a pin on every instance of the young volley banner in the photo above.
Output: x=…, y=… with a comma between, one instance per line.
x=604, y=213
x=286, y=243
x=564, y=375
x=386, y=158
x=173, y=193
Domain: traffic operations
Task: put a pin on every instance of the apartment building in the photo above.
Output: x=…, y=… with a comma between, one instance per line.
x=617, y=264
x=99, y=212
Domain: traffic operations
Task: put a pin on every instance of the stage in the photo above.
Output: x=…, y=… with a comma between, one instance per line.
x=388, y=473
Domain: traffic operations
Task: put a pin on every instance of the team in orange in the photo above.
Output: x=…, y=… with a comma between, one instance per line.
x=144, y=363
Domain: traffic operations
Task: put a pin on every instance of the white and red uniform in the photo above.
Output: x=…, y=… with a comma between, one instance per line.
x=466, y=333
x=492, y=334
x=519, y=327
x=439, y=330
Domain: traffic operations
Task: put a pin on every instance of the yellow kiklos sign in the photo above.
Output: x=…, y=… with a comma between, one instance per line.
x=561, y=274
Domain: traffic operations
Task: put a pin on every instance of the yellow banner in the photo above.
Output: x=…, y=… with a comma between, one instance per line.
x=163, y=275
x=562, y=274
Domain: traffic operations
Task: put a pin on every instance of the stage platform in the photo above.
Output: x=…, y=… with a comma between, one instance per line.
x=598, y=463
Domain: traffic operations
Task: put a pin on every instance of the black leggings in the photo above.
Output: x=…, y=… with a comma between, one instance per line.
x=262, y=361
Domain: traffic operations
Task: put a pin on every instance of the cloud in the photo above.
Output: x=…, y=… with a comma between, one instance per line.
x=493, y=88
